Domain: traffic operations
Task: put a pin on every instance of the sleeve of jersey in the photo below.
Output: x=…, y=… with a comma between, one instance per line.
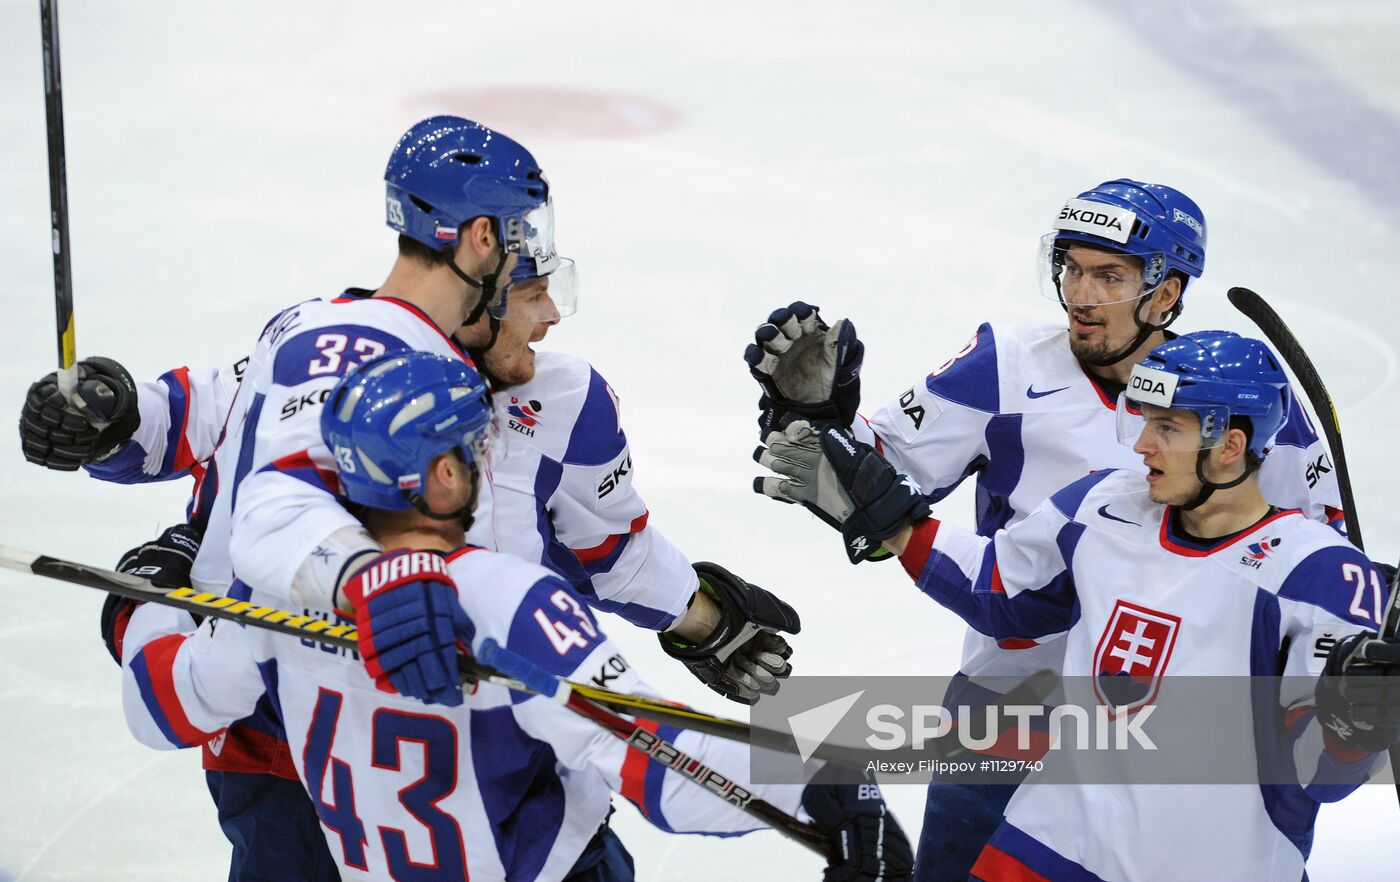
x=1298, y=471
x=1017, y=585
x=663, y=797
x=1333, y=593
x=630, y=567
x=182, y=414
x=181, y=685
x=285, y=484
x=936, y=431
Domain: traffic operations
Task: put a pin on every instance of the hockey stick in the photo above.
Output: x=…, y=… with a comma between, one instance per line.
x=1263, y=315
x=1274, y=328
x=58, y=204
x=540, y=682
x=565, y=692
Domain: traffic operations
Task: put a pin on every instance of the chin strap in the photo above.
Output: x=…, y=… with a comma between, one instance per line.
x=1251, y=465
x=487, y=284
x=1145, y=328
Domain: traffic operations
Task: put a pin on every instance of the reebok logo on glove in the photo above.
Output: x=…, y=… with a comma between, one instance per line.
x=403, y=566
x=841, y=439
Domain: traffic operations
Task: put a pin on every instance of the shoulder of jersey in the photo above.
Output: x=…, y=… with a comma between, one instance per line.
x=1113, y=500
x=1006, y=367
x=492, y=586
x=568, y=412
x=1294, y=555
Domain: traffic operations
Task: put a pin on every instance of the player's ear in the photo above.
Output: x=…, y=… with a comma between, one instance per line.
x=1233, y=446
x=1167, y=294
x=477, y=240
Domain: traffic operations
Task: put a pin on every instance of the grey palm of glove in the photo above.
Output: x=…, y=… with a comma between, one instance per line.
x=843, y=481
x=807, y=369
x=804, y=475
x=744, y=657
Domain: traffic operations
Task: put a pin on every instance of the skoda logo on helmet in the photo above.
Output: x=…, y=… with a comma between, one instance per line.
x=1152, y=386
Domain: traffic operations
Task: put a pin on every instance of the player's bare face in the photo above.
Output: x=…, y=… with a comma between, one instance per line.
x=1169, y=443
x=529, y=315
x=1101, y=291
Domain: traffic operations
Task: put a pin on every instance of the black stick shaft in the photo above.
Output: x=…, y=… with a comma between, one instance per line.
x=344, y=636
x=58, y=188
x=1273, y=326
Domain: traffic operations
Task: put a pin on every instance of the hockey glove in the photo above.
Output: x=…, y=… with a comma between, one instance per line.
x=411, y=625
x=166, y=562
x=1358, y=694
x=843, y=481
x=867, y=842
x=58, y=434
x=744, y=657
x=807, y=370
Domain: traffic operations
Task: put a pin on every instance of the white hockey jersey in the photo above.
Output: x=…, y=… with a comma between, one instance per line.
x=1016, y=409
x=504, y=787
x=562, y=496
x=1102, y=562
x=561, y=465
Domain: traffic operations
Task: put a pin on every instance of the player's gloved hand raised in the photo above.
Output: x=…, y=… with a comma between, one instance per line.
x=843, y=481
x=744, y=656
x=1358, y=694
x=807, y=369
x=58, y=434
x=166, y=562
x=411, y=625
x=867, y=842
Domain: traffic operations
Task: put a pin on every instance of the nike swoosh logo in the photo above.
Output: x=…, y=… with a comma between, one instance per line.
x=1031, y=393
x=1103, y=511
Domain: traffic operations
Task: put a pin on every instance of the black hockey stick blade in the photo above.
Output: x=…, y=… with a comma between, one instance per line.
x=1278, y=334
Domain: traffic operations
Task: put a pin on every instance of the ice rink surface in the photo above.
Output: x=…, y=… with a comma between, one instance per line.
x=892, y=161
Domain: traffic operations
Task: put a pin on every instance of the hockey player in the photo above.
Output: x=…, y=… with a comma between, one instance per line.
x=1185, y=571
x=552, y=472
x=1025, y=410
x=503, y=786
x=566, y=481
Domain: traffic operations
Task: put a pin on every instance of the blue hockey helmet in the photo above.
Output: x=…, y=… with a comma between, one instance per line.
x=1216, y=375
x=447, y=170
x=389, y=418
x=1160, y=226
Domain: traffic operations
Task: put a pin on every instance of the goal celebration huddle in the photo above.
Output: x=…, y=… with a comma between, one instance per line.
x=383, y=616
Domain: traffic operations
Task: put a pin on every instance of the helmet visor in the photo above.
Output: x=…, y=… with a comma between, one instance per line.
x=1079, y=274
x=540, y=299
x=1148, y=412
x=532, y=235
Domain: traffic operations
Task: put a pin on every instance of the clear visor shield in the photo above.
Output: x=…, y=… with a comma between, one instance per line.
x=532, y=235
x=543, y=299
x=1161, y=428
x=1080, y=275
